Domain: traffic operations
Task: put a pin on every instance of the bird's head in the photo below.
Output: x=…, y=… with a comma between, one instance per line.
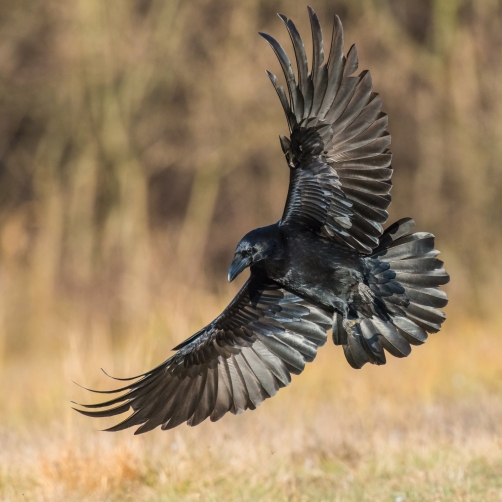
x=258, y=245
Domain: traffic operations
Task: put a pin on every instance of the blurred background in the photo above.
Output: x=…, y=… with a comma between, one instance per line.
x=139, y=142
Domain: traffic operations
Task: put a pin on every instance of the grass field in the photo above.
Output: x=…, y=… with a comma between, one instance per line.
x=426, y=428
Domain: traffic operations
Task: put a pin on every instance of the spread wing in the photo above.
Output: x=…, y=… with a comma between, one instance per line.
x=338, y=152
x=243, y=357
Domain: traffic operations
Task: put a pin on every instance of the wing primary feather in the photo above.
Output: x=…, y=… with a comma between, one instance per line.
x=358, y=101
x=335, y=67
x=317, y=44
x=167, y=408
x=301, y=57
x=284, y=101
x=118, y=410
x=352, y=62
x=188, y=406
x=224, y=399
x=239, y=390
x=344, y=95
x=133, y=392
x=183, y=407
x=208, y=398
x=288, y=74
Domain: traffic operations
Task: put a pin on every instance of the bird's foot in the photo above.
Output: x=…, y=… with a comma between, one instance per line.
x=342, y=327
x=350, y=325
x=365, y=293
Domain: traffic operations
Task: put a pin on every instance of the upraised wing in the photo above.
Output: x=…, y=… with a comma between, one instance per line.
x=338, y=152
x=243, y=357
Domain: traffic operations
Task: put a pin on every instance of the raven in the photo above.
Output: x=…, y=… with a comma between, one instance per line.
x=327, y=263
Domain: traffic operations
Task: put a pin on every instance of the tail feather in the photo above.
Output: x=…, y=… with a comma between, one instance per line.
x=397, y=230
x=413, y=333
x=404, y=278
x=414, y=248
x=430, y=297
x=365, y=347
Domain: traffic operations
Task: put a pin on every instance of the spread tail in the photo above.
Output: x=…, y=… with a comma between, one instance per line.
x=404, y=278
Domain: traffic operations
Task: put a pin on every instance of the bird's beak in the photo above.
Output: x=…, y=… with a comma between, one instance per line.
x=237, y=266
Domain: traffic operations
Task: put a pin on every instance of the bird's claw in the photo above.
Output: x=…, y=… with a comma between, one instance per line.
x=350, y=325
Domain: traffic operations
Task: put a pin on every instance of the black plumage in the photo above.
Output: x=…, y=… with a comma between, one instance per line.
x=327, y=263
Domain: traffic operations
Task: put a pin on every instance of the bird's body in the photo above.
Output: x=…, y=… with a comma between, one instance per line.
x=313, y=267
x=327, y=263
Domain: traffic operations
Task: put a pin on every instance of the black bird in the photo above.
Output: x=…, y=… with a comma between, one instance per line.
x=327, y=263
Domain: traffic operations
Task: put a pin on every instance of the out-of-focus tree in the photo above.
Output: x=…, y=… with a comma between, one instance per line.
x=138, y=142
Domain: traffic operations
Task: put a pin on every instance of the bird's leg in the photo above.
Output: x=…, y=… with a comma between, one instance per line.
x=350, y=325
x=341, y=307
x=338, y=331
x=363, y=296
x=343, y=323
x=365, y=293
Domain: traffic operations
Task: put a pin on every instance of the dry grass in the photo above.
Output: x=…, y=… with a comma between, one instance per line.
x=427, y=428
